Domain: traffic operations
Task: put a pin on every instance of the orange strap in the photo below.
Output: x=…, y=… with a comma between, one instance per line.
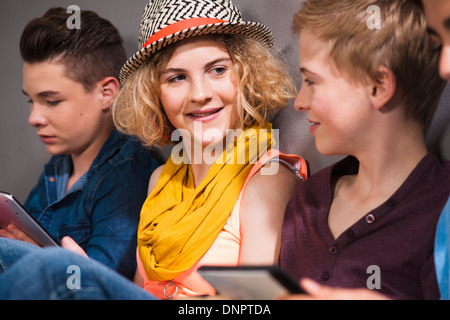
x=296, y=163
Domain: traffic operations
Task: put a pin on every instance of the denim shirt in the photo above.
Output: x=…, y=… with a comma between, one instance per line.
x=102, y=209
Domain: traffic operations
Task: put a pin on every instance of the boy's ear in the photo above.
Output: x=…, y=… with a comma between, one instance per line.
x=109, y=87
x=383, y=88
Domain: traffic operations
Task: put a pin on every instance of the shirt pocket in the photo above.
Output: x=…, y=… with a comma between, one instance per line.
x=80, y=232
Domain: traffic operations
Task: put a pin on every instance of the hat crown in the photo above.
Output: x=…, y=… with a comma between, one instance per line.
x=159, y=14
x=167, y=21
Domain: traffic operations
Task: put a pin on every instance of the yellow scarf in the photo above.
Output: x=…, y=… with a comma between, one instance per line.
x=179, y=222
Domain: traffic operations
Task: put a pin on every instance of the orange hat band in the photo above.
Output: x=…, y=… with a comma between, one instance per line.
x=180, y=26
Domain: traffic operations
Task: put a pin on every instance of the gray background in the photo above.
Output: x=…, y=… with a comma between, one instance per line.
x=23, y=155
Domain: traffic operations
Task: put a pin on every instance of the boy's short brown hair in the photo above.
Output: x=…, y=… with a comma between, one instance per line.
x=89, y=54
x=401, y=44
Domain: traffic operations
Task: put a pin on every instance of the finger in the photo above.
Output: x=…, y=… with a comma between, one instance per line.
x=18, y=234
x=70, y=244
x=321, y=292
x=311, y=287
x=14, y=231
x=6, y=234
x=308, y=286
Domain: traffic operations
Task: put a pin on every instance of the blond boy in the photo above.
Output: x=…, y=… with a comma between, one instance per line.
x=368, y=221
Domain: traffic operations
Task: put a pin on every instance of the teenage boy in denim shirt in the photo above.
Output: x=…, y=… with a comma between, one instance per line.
x=92, y=189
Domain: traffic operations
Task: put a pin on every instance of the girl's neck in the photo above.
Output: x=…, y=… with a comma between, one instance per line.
x=202, y=158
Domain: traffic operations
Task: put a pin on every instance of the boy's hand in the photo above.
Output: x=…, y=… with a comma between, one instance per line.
x=12, y=232
x=70, y=244
x=316, y=291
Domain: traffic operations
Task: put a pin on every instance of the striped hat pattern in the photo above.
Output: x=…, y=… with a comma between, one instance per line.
x=166, y=21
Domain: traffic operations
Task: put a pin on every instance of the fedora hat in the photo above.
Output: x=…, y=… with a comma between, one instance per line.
x=167, y=21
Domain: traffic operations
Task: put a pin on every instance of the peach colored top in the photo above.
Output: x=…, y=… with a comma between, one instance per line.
x=224, y=251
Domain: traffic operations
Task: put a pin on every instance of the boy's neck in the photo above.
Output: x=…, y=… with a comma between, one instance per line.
x=383, y=167
x=83, y=161
x=386, y=173
x=388, y=161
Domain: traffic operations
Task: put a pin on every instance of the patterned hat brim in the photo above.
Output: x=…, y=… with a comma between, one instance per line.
x=254, y=30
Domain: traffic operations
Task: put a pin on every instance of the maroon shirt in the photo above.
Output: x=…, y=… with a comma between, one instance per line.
x=397, y=237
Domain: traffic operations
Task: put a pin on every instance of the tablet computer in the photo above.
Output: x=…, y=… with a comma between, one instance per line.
x=12, y=212
x=250, y=282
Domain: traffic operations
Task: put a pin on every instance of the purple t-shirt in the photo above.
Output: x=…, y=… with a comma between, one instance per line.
x=389, y=250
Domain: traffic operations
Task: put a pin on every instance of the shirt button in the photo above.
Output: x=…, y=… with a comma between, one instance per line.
x=333, y=250
x=350, y=234
x=370, y=218
x=325, y=276
x=51, y=179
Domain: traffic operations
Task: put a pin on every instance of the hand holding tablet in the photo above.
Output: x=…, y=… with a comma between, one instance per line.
x=12, y=212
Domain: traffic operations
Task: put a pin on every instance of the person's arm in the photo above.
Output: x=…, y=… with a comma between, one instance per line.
x=114, y=211
x=138, y=279
x=154, y=179
x=71, y=245
x=316, y=291
x=261, y=212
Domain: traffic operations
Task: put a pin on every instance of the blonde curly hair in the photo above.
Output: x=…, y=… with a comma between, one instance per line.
x=263, y=86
